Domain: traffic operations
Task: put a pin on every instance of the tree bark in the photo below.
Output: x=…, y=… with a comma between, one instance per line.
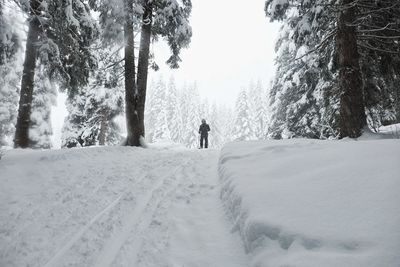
x=2, y=56
x=143, y=68
x=28, y=76
x=130, y=83
x=352, y=110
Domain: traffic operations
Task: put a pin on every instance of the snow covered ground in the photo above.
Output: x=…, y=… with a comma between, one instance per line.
x=315, y=203
x=267, y=203
x=114, y=206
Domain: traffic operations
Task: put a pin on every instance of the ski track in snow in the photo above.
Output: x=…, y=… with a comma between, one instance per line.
x=133, y=207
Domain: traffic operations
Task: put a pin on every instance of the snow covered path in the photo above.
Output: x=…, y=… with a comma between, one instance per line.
x=114, y=206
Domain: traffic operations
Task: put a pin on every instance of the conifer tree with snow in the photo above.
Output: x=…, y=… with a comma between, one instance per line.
x=243, y=128
x=330, y=46
x=302, y=94
x=10, y=70
x=258, y=109
x=94, y=108
x=226, y=119
x=74, y=123
x=184, y=103
x=167, y=19
x=173, y=112
x=44, y=97
x=159, y=112
x=192, y=118
x=378, y=27
x=68, y=56
x=216, y=138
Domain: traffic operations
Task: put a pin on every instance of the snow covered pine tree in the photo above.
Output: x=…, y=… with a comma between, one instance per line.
x=337, y=102
x=10, y=73
x=67, y=55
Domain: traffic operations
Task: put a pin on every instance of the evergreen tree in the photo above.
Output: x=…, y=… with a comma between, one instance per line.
x=61, y=33
x=341, y=86
x=192, y=117
x=226, y=121
x=242, y=129
x=159, y=109
x=165, y=18
x=44, y=97
x=184, y=103
x=74, y=123
x=303, y=92
x=176, y=115
x=149, y=114
x=216, y=139
x=173, y=112
x=258, y=104
x=9, y=92
x=10, y=71
x=96, y=105
x=378, y=27
x=9, y=39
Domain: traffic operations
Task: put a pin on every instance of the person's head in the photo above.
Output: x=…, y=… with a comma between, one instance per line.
x=203, y=121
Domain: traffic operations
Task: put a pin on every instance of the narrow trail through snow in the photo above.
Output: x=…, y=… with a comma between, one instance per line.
x=115, y=207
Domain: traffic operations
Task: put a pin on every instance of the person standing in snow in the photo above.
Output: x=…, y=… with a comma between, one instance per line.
x=203, y=131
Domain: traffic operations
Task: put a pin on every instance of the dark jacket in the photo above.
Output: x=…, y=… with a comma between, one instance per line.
x=204, y=129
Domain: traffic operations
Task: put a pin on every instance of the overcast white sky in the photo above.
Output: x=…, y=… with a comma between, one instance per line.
x=232, y=44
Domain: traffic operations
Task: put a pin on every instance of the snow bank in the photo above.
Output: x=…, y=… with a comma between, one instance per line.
x=314, y=203
x=391, y=130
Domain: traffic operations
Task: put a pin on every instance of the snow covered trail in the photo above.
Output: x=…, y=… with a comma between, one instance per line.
x=115, y=206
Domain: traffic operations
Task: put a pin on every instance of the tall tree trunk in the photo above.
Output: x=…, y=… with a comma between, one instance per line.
x=143, y=68
x=2, y=56
x=352, y=110
x=28, y=76
x=130, y=83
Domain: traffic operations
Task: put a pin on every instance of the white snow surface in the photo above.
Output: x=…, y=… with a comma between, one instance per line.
x=314, y=203
x=284, y=203
x=114, y=206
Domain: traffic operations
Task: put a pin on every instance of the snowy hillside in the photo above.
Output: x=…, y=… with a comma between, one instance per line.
x=315, y=203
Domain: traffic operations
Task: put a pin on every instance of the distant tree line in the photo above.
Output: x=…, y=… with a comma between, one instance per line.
x=175, y=114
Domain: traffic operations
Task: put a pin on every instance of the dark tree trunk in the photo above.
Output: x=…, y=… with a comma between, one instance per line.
x=130, y=83
x=352, y=110
x=143, y=68
x=28, y=76
x=2, y=56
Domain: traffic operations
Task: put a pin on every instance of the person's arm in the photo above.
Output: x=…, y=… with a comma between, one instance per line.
x=200, y=129
x=208, y=126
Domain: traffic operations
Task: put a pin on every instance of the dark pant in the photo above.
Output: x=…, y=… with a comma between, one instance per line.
x=202, y=139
